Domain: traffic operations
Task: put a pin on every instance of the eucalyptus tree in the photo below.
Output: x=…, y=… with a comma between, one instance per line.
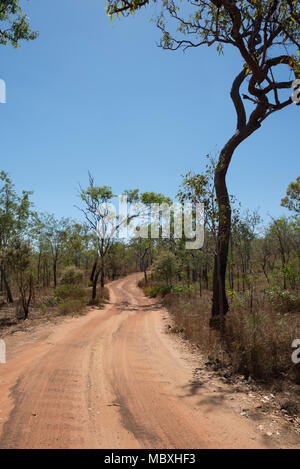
x=20, y=257
x=292, y=199
x=154, y=202
x=54, y=235
x=280, y=231
x=265, y=34
x=14, y=24
x=14, y=217
x=242, y=240
x=101, y=219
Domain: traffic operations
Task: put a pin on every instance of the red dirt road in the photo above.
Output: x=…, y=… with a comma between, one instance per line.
x=113, y=379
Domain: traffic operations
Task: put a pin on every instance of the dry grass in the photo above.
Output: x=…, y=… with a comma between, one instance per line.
x=258, y=337
x=48, y=304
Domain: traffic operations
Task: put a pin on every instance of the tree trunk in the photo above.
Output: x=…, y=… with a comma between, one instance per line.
x=200, y=284
x=102, y=277
x=55, y=273
x=94, y=270
x=26, y=303
x=205, y=275
x=102, y=282
x=39, y=269
x=144, y=265
x=220, y=303
x=243, y=130
x=1, y=283
x=95, y=280
x=7, y=287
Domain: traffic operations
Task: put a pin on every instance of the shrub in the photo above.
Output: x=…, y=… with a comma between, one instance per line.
x=259, y=342
x=256, y=342
x=70, y=291
x=166, y=267
x=101, y=299
x=291, y=275
x=71, y=275
x=282, y=299
x=156, y=290
x=51, y=301
x=96, y=302
x=71, y=306
x=187, y=289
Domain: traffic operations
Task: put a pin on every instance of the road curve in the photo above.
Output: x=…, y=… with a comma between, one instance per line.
x=113, y=379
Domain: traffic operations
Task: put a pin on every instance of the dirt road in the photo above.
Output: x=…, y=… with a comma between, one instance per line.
x=113, y=379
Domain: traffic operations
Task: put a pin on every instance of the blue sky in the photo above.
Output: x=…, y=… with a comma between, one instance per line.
x=88, y=96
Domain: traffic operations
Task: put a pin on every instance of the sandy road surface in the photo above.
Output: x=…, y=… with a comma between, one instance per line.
x=113, y=379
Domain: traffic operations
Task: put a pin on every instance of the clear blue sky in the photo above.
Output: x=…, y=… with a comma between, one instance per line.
x=88, y=96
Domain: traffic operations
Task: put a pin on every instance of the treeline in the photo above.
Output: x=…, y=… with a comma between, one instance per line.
x=262, y=284
x=61, y=265
x=42, y=255
x=39, y=251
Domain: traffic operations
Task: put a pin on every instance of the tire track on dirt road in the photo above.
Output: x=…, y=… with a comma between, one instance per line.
x=113, y=379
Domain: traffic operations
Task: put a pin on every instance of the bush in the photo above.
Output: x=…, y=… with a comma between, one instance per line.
x=282, y=299
x=259, y=342
x=166, y=267
x=96, y=302
x=101, y=299
x=71, y=276
x=71, y=306
x=155, y=291
x=291, y=274
x=256, y=342
x=51, y=301
x=70, y=291
x=187, y=289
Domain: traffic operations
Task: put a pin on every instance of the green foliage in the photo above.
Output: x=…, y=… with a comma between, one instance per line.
x=96, y=302
x=71, y=275
x=292, y=199
x=14, y=211
x=14, y=24
x=165, y=267
x=70, y=291
x=97, y=194
x=282, y=299
x=162, y=290
x=70, y=306
x=148, y=198
x=51, y=301
x=72, y=299
x=199, y=189
x=291, y=274
x=186, y=289
x=212, y=22
x=157, y=290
